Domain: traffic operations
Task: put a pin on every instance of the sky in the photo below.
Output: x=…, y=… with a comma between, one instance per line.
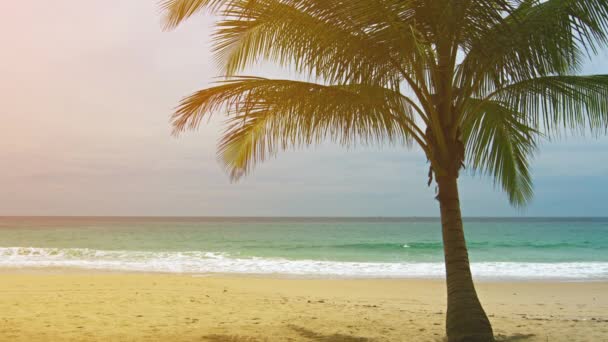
x=86, y=90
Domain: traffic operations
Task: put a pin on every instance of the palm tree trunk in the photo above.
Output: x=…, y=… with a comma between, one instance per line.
x=466, y=319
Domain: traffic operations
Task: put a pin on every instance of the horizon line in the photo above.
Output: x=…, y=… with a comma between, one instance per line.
x=294, y=217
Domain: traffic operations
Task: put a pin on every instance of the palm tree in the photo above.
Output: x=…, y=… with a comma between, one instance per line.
x=470, y=82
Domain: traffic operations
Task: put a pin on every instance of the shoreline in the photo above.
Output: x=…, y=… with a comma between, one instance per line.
x=98, y=306
x=59, y=270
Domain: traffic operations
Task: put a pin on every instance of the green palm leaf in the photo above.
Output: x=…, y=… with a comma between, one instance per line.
x=500, y=144
x=558, y=104
x=538, y=38
x=265, y=116
x=177, y=11
x=313, y=38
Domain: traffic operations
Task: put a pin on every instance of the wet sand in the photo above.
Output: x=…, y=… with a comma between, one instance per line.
x=79, y=306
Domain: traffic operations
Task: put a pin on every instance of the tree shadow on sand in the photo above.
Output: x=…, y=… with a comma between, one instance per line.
x=303, y=332
x=507, y=338
x=513, y=337
x=315, y=336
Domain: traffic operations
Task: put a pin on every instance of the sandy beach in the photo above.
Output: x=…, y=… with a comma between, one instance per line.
x=75, y=306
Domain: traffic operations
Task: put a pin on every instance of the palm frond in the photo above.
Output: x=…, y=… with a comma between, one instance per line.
x=478, y=17
x=499, y=143
x=336, y=41
x=176, y=11
x=538, y=38
x=557, y=104
x=462, y=20
x=266, y=116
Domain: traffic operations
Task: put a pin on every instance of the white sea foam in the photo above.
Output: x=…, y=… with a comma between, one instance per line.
x=197, y=262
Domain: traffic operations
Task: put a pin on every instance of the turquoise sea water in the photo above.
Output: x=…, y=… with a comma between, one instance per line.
x=353, y=247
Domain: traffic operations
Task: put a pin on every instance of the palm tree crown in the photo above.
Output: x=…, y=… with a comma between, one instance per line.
x=493, y=76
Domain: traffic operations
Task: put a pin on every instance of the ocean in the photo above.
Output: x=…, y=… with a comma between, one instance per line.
x=500, y=248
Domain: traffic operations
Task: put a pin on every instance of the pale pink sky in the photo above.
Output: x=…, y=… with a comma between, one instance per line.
x=86, y=89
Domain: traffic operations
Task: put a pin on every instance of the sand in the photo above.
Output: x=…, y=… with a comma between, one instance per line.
x=74, y=306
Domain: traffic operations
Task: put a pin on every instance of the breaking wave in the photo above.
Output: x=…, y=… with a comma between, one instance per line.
x=201, y=262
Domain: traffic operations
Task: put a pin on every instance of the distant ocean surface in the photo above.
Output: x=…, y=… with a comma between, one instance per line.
x=500, y=248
